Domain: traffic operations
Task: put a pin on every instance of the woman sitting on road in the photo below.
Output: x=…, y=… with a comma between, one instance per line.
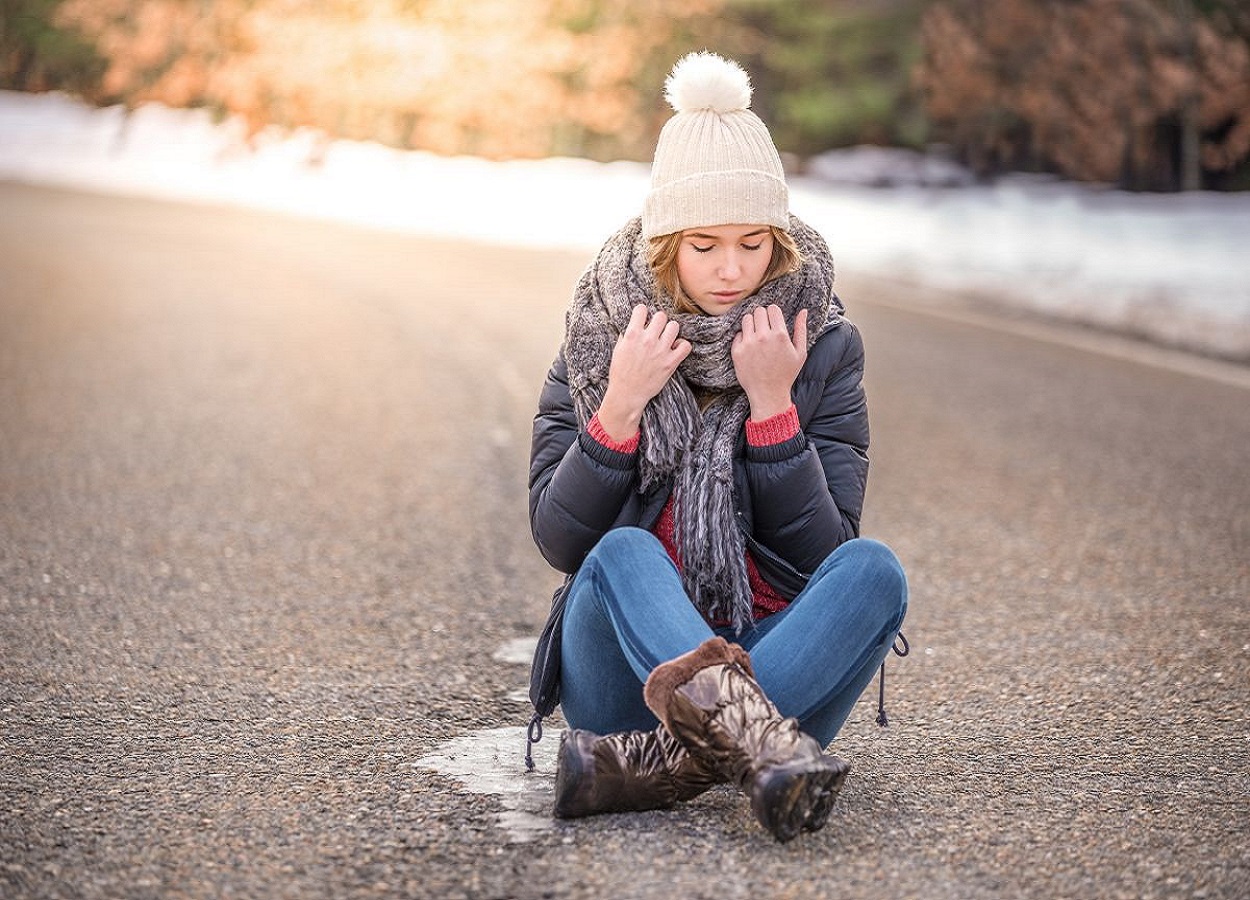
x=698, y=467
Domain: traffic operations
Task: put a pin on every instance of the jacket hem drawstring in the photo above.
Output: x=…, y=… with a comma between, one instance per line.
x=882, y=719
x=533, y=734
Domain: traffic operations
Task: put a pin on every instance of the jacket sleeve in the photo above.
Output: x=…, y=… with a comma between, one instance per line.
x=577, y=487
x=807, y=493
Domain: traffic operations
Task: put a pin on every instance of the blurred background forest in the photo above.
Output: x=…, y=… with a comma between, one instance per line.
x=1140, y=94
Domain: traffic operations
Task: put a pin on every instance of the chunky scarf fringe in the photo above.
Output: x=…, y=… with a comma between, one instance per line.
x=680, y=444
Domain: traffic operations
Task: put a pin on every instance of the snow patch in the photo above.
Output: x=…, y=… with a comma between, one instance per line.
x=492, y=761
x=518, y=651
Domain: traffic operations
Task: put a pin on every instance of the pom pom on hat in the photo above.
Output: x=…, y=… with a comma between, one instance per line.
x=706, y=81
x=715, y=162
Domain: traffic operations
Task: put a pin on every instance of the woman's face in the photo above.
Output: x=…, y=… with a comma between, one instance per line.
x=721, y=266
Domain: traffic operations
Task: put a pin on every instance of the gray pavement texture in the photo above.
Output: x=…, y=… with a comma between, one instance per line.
x=262, y=529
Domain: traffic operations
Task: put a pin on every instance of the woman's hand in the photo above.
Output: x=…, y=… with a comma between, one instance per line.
x=767, y=361
x=645, y=356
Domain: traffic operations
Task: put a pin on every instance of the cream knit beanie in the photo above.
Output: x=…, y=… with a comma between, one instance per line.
x=715, y=163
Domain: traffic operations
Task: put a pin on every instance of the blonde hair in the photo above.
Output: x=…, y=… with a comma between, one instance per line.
x=663, y=260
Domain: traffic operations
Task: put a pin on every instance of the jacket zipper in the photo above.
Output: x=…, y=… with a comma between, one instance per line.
x=758, y=549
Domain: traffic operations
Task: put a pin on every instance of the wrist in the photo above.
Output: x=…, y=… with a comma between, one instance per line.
x=768, y=406
x=619, y=422
x=600, y=436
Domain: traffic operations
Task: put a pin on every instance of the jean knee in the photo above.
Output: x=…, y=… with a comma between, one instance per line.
x=880, y=569
x=620, y=553
x=626, y=538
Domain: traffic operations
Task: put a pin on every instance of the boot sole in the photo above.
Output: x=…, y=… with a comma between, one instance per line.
x=788, y=800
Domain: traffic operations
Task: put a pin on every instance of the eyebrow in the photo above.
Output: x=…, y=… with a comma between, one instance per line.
x=712, y=237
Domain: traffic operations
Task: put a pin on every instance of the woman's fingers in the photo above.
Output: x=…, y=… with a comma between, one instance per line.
x=800, y=333
x=638, y=322
x=681, y=349
x=769, y=321
x=776, y=318
x=648, y=352
x=663, y=332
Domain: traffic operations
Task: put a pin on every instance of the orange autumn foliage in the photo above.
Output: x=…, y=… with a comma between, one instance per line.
x=498, y=78
x=1097, y=90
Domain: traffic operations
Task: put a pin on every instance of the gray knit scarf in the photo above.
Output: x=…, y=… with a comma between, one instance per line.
x=679, y=442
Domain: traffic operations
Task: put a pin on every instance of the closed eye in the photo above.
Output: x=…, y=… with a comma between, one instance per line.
x=753, y=246
x=698, y=249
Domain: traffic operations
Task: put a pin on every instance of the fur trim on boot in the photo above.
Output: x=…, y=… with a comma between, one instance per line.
x=667, y=677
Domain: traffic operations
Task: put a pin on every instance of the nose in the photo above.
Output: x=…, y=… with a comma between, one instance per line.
x=730, y=267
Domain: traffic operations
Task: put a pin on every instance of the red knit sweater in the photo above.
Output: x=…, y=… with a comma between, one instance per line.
x=779, y=428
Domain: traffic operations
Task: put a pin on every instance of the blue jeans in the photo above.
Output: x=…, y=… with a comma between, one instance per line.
x=627, y=612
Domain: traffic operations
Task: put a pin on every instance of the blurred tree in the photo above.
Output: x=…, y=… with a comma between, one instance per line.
x=499, y=77
x=611, y=81
x=492, y=77
x=1141, y=93
x=1189, y=164
x=830, y=73
x=36, y=55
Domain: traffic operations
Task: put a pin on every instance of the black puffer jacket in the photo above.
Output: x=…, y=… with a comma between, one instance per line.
x=796, y=501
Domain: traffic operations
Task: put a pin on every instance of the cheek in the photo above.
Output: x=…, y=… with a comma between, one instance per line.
x=687, y=270
x=759, y=267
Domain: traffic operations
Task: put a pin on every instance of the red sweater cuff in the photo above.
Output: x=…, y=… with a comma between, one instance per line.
x=595, y=429
x=775, y=430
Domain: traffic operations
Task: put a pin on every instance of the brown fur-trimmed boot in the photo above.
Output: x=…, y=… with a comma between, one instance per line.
x=709, y=700
x=630, y=771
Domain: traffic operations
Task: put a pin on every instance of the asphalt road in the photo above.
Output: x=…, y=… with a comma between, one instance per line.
x=262, y=532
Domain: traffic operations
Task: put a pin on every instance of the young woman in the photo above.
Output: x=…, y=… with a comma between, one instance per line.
x=698, y=468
